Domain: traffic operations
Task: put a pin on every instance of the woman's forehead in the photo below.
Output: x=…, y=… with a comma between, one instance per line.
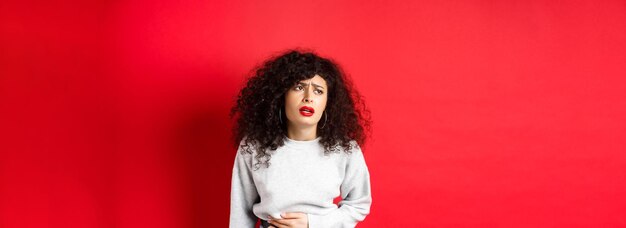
x=316, y=81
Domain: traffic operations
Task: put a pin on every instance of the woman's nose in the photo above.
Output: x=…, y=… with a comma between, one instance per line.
x=306, y=96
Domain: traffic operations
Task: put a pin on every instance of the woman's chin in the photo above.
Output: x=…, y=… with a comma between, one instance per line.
x=305, y=123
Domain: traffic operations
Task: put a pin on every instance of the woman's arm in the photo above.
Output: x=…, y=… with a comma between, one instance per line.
x=355, y=193
x=243, y=193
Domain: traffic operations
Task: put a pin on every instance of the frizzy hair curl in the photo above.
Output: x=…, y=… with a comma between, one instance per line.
x=260, y=101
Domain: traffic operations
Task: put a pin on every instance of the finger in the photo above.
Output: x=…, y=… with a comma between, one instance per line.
x=275, y=223
x=278, y=221
x=292, y=215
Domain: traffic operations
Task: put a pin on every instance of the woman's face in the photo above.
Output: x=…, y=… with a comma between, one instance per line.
x=306, y=101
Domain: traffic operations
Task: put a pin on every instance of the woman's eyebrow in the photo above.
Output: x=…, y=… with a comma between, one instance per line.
x=305, y=84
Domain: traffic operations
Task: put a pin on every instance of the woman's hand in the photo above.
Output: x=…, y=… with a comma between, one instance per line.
x=291, y=220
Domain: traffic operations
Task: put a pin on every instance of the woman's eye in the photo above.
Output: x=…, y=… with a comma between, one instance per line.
x=298, y=87
x=319, y=91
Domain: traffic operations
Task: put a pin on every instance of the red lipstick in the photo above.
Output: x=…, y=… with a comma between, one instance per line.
x=306, y=111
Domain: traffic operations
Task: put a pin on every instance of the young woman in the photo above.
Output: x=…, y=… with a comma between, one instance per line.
x=299, y=111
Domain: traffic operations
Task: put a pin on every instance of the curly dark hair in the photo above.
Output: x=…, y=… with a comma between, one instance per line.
x=258, y=104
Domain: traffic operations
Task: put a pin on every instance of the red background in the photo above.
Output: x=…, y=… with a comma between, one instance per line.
x=486, y=113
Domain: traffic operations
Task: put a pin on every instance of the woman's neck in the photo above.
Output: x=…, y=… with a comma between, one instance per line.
x=302, y=134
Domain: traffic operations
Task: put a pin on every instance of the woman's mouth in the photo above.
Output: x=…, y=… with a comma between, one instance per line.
x=306, y=111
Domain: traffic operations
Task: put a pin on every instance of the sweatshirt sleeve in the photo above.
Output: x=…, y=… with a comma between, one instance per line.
x=243, y=193
x=355, y=193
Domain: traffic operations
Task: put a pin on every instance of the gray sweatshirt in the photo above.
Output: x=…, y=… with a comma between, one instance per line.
x=301, y=178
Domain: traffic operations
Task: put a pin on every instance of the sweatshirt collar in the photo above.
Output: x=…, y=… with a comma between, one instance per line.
x=293, y=142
